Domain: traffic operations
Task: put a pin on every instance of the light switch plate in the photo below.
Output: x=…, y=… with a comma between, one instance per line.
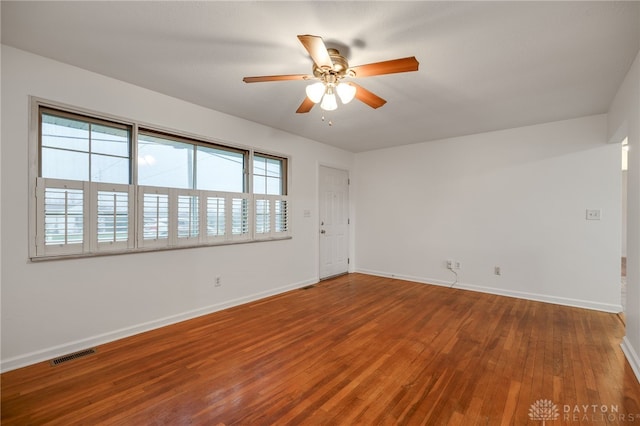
x=593, y=214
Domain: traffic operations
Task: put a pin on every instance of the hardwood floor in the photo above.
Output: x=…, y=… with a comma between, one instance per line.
x=356, y=349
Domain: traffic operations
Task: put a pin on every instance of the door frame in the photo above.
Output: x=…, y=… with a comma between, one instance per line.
x=349, y=239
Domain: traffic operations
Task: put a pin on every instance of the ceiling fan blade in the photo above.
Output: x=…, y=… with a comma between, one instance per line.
x=317, y=50
x=277, y=78
x=387, y=67
x=369, y=98
x=305, y=106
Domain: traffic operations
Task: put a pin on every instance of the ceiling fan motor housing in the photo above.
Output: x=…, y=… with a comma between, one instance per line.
x=340, y=66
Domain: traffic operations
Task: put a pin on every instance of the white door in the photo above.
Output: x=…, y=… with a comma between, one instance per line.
x=334, y=222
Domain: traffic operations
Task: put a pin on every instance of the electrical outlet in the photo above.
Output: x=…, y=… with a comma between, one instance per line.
x=217, y=282
x=457, y=265
x=497, y=270
x=450, y=264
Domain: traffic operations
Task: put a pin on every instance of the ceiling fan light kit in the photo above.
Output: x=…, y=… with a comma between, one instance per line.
x=346, y=92
x=315, y=91
x=329, y=102
x=329, y=67
x=325, y=94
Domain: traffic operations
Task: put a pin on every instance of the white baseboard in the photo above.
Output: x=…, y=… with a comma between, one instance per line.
x=576, y=303
x=78, y=345
x=632, y=356
x=408, y=278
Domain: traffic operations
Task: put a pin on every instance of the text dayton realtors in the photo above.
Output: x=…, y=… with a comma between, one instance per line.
x=596, y=413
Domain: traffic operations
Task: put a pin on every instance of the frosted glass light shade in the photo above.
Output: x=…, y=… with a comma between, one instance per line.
x=315, y=92
x=329, y=102
x=346, y=92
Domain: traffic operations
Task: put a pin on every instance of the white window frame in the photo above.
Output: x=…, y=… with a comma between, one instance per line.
x=135, y=242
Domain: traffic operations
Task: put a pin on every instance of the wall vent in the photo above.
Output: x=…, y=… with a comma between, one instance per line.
x=72, y=356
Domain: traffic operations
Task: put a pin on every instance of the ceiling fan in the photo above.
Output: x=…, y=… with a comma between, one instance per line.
x=330, y=68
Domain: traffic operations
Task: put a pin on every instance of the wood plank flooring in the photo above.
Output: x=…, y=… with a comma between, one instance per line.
x=356, y=349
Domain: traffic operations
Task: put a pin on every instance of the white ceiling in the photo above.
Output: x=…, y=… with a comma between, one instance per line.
x=483, y=65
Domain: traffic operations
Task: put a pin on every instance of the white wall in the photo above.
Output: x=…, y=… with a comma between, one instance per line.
x=624, y=121
x=624, y=190
x=54, y=307
x=514, y=198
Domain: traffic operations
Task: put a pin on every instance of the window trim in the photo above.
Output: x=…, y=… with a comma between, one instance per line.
x=135, y=243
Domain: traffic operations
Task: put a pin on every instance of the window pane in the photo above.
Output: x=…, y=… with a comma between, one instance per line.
x=155, y=216
x=164, y=162
x=259, y=165
x=268, y=175
x=220, y=170
x=68, y=142
x=61, y=164
x=188, y=222
x=113, y=216
x=64, y=133
x=63, y=216
x=109, y=140
x=109, y=169
x=274, y=186
x=259, y=184
x=274, y=167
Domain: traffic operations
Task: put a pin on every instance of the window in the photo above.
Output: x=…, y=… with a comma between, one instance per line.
x=220, y=169
x=202, y=181
x=164, y=162
x=83, y=193
x=98, y=150
x=92, y=196
x=268, y=175
x=270, y=187
x=182, y=163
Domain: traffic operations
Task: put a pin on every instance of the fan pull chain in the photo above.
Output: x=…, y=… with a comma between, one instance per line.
x=330, y=121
